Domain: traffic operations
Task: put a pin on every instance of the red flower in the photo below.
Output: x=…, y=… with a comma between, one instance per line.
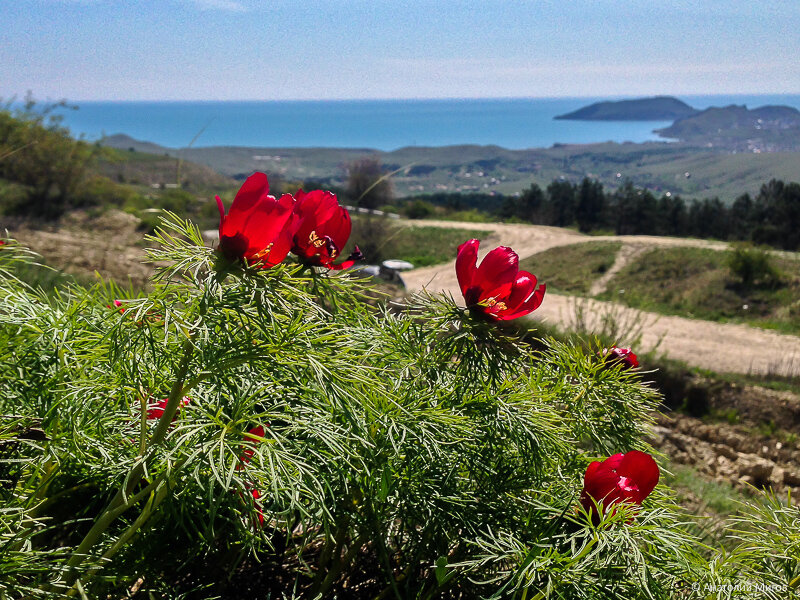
x=258, y=227
x=117, y=304
x=323, y=228
x=248, y=452
x=156, y=411
x=257, y=505
x=628, y=477
x=620, y=356
x=496, y=288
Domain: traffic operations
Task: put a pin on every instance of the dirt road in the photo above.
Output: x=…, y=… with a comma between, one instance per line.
x=719, y=347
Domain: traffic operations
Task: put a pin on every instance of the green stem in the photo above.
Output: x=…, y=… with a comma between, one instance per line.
x=122, y=501
x=155, y=500
x=794, y=583
x=339, y=565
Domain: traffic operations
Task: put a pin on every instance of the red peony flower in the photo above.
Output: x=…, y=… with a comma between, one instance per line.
x=248, y=452
x=257, y=505
x=117, y=304
x=156, y=411
x=620, y=356
x=496, y=288
x=323, y=228
x=258, y=227
x=628, y=477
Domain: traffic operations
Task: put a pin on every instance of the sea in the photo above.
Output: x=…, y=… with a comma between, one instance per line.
x=513, y=123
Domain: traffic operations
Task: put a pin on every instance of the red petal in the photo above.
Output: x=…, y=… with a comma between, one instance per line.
x=315, y=209
x=253, y=189
x=496, y=273
x=533, y=302
x=601, y=484
x=642, y=469
x=521, y=290
x=339, y=228
x=221, y=208
x=466, y=264
x=613, y=462
x=258, y=430
x=273, y=225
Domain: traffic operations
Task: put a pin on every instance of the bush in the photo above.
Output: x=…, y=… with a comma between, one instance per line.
x=367, y=185
x=38, y=152
x=239, y=423
x=753, y=266
x=418, y=209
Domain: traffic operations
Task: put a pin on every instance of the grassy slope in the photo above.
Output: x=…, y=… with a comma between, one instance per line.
x=421, y=245
x=697, y=283
x=572, y=269
x=658, y=166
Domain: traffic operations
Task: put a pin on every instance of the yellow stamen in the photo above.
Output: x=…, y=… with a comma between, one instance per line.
x=263, y=253
x=315, y=240
x=492, y=302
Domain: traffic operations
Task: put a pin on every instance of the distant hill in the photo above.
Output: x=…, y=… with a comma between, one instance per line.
x=122, y=141
x=658, y=108
x=691, y=170
x=735, y=128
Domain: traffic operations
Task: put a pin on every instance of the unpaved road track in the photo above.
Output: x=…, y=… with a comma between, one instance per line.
x=720, y=347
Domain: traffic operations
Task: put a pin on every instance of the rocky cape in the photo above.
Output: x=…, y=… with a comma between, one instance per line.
x=658, y=108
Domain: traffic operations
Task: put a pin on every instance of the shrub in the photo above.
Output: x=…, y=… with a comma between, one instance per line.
x=38, y=152
x=418, y=209
x=269, y=414
x=752, y=266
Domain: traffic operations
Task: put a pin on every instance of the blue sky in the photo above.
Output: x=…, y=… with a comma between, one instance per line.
x=319, y=49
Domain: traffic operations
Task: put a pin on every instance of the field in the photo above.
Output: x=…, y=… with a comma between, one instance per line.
x=572, y=269
x=690, y=171
x=699, y=283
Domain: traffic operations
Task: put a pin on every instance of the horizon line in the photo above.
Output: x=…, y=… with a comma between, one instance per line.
x=13, y=98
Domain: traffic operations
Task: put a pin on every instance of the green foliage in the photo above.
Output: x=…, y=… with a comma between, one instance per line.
x=418, y=209
x=572, y=269
x=37, y=152
x=753, y=266
x=380, y=238
x=418, y=453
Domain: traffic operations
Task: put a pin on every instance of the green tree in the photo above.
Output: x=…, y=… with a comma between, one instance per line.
x=37, y=152
x=590, y=207
x=561, y=201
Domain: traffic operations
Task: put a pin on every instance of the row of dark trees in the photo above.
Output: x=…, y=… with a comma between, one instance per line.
x=772, y=217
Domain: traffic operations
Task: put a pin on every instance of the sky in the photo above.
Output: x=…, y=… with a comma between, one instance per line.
x=82, y=50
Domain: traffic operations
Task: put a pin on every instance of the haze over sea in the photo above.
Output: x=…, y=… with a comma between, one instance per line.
x=379, y=124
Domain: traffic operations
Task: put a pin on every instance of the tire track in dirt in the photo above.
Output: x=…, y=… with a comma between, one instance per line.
x=720, y=347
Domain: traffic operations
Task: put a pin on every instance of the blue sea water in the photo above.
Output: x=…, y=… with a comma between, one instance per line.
x=380, y=124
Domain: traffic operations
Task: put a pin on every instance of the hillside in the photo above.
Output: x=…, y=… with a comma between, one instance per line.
x=658, y=108
x=735, y=128
x=661, y=167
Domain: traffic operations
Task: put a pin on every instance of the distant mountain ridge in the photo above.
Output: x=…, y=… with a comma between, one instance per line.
x=657, y=108
x=767, y=128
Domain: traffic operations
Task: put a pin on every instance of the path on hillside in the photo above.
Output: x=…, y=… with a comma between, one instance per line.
x=721, y=347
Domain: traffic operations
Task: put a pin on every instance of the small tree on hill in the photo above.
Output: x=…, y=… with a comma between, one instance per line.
x=367, y=185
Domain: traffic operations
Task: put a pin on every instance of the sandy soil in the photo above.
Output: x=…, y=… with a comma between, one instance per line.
x=719, y=347
x=109, y=244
